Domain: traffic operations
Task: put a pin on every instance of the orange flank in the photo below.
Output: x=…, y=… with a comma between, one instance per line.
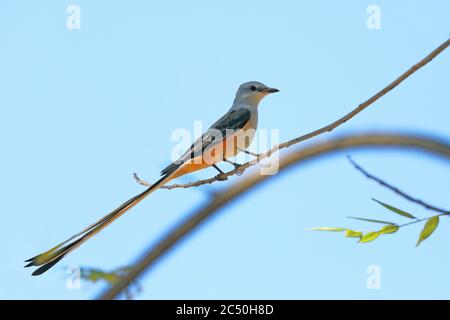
x=209, y=157
x=188, y=168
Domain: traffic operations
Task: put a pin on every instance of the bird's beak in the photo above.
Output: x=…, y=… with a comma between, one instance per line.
x=270, y=90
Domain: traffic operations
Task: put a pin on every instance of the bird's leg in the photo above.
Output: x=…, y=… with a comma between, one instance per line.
x=218, y=169
x=250, y=153
x=236, y=165
x=221, y=176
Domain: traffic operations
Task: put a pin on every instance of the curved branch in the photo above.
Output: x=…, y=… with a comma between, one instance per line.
x=237, y=190
x=327, y=128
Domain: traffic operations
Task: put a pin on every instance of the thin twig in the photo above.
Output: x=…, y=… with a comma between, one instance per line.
x=328, y=128
x=395, y=189
x=219, y=177
x=237, y=190
x=421, y=219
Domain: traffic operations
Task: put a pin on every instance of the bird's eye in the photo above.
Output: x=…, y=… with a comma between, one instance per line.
x=253, y=88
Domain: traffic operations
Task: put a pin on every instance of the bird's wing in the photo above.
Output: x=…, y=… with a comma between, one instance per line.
x=230, y=122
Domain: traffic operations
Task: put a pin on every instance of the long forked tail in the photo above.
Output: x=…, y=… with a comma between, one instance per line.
x=48, y=259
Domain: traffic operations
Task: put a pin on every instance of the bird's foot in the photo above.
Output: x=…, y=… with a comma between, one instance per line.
x=221, y=177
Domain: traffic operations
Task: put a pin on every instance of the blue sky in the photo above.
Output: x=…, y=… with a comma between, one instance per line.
x=84, y=109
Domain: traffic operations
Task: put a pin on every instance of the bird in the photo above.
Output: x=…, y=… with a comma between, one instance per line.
x=227, y=137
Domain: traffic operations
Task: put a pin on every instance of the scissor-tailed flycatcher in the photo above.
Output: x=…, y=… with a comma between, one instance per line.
x=228, y=136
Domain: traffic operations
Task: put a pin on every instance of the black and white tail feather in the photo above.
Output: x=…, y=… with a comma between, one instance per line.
x=48, y=259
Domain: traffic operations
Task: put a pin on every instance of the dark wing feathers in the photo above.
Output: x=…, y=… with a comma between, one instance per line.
x=233, y=120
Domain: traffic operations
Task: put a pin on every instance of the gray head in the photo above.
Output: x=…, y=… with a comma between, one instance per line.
x=253, y=92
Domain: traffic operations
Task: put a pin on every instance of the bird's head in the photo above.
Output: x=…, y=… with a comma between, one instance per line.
x=253, y=92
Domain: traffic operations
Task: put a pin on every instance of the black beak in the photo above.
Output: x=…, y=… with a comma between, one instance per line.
x=270, y=90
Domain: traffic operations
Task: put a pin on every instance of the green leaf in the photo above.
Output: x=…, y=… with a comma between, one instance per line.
x=370, y=236
x=372, y=220
x=353, y=234
x=389, y=229
x=396, y=210
x=428, y=229
x=93, y=275
x=329, y=229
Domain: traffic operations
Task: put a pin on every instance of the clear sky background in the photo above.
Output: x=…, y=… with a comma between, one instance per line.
x=81, y=110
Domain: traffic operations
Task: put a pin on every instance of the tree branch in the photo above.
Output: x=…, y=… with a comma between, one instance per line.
x=396, y=190
x=219, y=177
x=237, y=190
x=327, y=128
